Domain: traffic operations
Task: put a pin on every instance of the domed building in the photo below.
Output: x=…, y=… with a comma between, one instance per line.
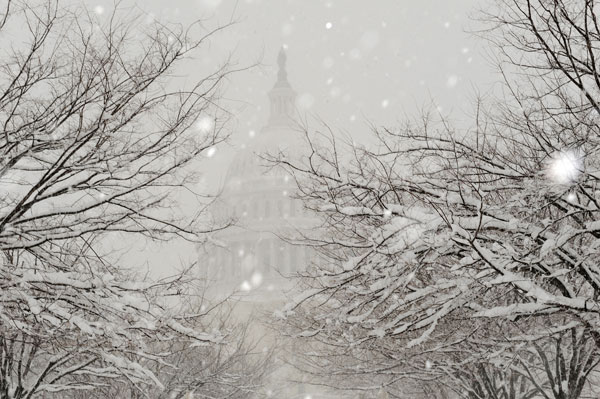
x=253, y=259
x=252, y=256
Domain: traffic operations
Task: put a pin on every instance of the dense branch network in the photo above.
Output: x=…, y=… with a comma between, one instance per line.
x=94, y=143
x=444, y=243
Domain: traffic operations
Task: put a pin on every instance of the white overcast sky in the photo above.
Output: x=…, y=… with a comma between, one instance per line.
x=349, y=61
x=345, y=58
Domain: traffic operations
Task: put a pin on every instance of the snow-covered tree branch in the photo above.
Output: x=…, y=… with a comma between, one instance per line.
x=440, y=230
x=94, y=143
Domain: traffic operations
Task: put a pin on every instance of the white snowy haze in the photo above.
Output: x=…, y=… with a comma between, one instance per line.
x=350, y=62
x=299, y=199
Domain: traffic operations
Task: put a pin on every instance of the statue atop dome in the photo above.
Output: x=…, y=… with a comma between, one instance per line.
x=252, y=256
x=282, y=73
x=282, y=96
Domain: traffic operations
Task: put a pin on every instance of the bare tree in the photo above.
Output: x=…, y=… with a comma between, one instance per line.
x=439, y=224
x=93, y=144
x=237, y=368
x=542, y=361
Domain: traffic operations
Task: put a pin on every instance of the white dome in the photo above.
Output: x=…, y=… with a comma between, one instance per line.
x=260, y=199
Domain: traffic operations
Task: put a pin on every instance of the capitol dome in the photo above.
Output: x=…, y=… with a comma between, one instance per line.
x=255, y=255
x=254, y=258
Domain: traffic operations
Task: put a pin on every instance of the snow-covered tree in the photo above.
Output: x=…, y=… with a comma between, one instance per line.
x=237, y=368
x=92, y=146
x=439, y=228
x=522, y=359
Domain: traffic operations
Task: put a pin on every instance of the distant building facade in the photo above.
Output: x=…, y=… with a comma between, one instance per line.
x=252, y=256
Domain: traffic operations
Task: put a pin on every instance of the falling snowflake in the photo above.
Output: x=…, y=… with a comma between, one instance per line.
x=99, y=10
x=256, y=279
x=245, y=286
x=355, y=54
x=328, y=62
x=205, y=124
x=328, y=25
x=565, y=166
x=452, y=81
x=211, y=151
x=385, y=103
x=428, y=365
x=305, y=101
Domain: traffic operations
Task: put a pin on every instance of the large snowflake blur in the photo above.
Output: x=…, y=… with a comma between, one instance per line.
x=565, y=166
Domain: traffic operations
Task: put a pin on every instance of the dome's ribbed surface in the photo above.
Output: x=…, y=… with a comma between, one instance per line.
x=252, y=256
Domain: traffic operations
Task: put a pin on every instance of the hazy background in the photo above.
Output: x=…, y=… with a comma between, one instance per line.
x=350, y=61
